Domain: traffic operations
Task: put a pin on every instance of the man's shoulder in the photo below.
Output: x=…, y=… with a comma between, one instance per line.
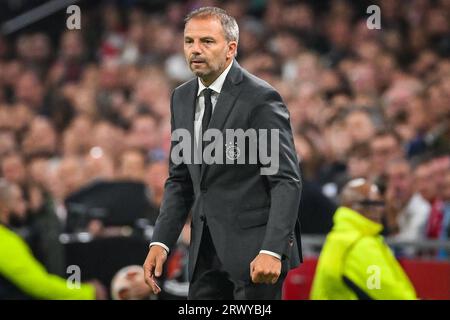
x=257, y=85
x=186, y=87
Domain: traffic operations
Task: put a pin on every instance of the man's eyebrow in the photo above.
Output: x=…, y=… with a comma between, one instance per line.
x=201, y=38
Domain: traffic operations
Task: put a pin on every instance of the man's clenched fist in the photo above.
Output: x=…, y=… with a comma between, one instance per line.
x=153, y=266
x=265, y=269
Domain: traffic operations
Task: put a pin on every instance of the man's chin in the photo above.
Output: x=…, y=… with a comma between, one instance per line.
x=199, y=73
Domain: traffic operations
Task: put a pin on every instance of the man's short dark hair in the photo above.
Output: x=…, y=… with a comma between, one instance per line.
x=229, y=24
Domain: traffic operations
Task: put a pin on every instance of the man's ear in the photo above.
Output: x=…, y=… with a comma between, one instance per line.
x=232, y=49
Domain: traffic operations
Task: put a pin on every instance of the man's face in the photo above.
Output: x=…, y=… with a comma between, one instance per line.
x=384, y=149
x=400, y=180
x=206, y=49
x=446, y=191
x=17, y=206
x=424, y=182
x=374, y=213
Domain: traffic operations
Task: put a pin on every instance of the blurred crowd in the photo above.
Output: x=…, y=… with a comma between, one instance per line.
x=94, y=103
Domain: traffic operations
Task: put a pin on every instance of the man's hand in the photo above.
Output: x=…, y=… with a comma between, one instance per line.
x=265, y=269
x=153, y=266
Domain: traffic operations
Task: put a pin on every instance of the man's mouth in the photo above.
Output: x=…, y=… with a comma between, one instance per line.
x=197, y=61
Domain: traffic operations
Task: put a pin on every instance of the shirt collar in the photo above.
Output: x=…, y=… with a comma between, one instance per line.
x=217, y=85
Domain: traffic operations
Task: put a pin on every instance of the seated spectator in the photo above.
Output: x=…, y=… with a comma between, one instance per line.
x=445, y=231
x=353, y=248
x=132, y=165
x=21, y=275
x=406, y=210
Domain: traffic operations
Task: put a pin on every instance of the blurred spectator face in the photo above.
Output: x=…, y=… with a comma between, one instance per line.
x=338, y=141
x=149, y=89
x=22, y=116
x=339, y=33
x=24, y=47
x=368, y=51
x=439, y=99
x=250, y=39
x=330, y=80
x=163, y=39
x=424, y=182
x=18, y=206
x=359, y=127
x=157, y=174
x=207, y=58
x=303, y=148
x=144, y=133
x=7, y=142
x=446, y=191
x=298, y=17
x=110, y=75
x=439, y=168
x=399, y=94
x=70, y=175
x=72, y=47
x=13, y=168
x=38, y=171
x=41, y=138
x=29, y=90
x=11, y=72
x=362, y=79
x=41, y=47
x=386, y=62
x=285, y=45
x=308, y=67
x=418, y=118
x=261, y=64
x=83, y=99
x=132, y=165
x=98, y=165
x=384, y=148
x=111, y=17
x=399, y=180
x=73, y=144
x=425, y=62
x=358, y=167
x=437, y=22
x=108, y=138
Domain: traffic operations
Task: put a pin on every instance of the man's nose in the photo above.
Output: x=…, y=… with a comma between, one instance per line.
x=196, y=48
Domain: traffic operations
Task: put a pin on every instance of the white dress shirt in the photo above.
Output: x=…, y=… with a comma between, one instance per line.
x=216, y=88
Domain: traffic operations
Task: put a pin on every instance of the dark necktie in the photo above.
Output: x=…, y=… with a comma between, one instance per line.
x=207, y=113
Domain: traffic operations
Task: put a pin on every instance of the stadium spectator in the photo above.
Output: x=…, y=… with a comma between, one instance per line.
x=21, y=275
x=355, y=262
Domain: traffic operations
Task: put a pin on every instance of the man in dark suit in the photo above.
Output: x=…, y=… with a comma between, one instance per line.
x=245, y=232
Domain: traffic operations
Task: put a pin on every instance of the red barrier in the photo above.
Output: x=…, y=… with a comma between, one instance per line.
x=431, y=279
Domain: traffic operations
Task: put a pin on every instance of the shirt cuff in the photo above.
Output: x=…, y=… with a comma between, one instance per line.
x=160, y=244
x=270, y=253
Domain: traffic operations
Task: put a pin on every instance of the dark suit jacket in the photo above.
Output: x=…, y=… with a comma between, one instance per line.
x=245, y=211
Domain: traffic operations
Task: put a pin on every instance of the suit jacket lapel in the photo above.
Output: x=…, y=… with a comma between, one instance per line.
x=225, y=103
x=188, y=123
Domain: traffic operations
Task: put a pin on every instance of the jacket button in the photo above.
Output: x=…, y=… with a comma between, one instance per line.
x=204, y=190
x=202, y=218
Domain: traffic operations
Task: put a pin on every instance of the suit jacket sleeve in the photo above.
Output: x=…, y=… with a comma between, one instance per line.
x=285, y=184
x=177, y=200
